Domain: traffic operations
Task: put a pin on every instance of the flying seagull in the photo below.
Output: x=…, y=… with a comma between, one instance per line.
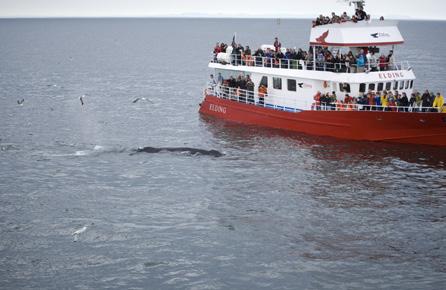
x=82, y=99
x=76, y=233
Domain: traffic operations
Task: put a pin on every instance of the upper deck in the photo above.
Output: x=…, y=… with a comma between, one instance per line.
x=360, y=34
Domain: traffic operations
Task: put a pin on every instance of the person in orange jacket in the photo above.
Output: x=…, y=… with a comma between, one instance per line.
x=263, y=91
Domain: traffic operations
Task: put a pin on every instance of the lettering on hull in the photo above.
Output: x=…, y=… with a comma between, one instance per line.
x=391, y=75
x=217, y=108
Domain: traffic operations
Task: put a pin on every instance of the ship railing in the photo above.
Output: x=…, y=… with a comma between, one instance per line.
x=337, y=67
x=250, y=97
x=268, y=100
x=364, y=107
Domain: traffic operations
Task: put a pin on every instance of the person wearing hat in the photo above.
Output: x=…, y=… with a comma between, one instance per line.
x=438, y=102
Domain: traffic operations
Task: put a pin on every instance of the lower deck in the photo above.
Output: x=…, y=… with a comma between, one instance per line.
x=372, y=125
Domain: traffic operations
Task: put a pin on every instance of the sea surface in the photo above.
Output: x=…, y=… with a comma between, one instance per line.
x=278, y=211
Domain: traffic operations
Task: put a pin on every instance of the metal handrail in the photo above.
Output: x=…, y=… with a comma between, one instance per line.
x=283, y=63
x=254, y=98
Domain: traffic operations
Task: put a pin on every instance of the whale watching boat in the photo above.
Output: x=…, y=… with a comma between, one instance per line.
x=348, y=85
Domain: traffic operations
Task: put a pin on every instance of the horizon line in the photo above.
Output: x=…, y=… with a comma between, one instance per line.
x=304, y=17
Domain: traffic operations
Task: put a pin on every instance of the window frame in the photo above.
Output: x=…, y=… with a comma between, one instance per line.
x=277, y=80
x=362, y=87
x=264, y=81
x=402, y=85
x=345, y=88
x=380, y=85
x=288, y=85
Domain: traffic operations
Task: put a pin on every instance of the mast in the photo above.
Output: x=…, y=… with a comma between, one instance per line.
x=357, y=3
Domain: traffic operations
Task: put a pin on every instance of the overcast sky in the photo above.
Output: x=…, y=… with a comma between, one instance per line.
x=425, y=9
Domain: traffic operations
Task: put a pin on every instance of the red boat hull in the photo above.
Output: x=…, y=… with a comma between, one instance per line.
x=398, y=127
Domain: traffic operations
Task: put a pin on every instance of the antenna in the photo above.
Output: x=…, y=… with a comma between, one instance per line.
x=357, y=3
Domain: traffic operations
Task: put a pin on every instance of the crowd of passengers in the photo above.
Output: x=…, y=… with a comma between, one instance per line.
x=360, y=15
x=243, y=88
x=326, y=60
x=385, y=101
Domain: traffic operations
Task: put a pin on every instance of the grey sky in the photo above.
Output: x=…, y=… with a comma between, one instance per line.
x=426, y=9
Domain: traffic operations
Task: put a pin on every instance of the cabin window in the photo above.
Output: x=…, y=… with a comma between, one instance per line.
x=407, y=84
x=372, y=87
x=362, y=88
x=395, y=85
x=411, y=84
x=264, y=81
x=388, y=86
x=277, y=83
x=344, y=87
x=401, y=85
x=292, y=85
x=380, y=87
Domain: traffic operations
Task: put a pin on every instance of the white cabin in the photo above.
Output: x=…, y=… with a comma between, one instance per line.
x=293, y=84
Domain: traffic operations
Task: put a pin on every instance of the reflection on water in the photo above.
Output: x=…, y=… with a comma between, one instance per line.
x=327, y=148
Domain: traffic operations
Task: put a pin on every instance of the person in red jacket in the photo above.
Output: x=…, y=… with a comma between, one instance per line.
x=217, y=50
x=277, y=45
x=382, y=62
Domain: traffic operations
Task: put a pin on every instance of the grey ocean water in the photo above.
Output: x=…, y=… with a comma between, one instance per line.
x=277, y=211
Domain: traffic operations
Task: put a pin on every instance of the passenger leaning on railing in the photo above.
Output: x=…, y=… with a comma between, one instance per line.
x=438, y=102
x=263, y=92
x=403, y=101
x=384, y=101
x=360, y=62
x=377, y=100
x=317, y=101
x=391, y=101
x=426, y=100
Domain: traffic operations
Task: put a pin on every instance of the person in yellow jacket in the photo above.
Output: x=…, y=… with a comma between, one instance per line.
x=443, y=110
x=438, y=102
x=384, y=101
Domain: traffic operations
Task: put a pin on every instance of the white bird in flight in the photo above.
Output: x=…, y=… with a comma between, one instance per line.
x=76, y=233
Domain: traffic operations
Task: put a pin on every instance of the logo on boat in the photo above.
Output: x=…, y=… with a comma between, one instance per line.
x=321, y=39
x=304, y=86
x=380, y=34
x=217, y=108
x=391, y=75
